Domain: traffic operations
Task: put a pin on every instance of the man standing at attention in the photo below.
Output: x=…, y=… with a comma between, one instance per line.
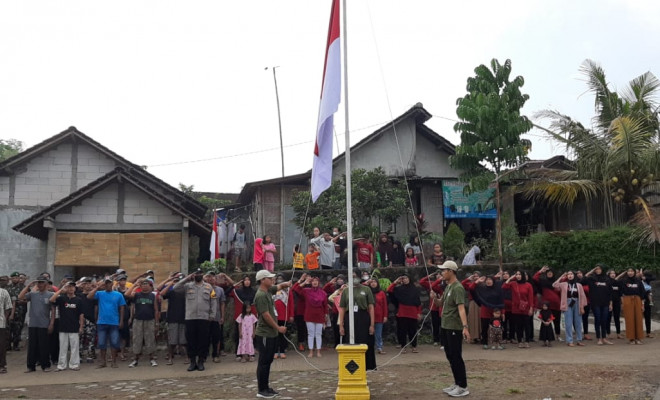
x=454, y=327
x=201, y=307
x=267, y=330
x=112, y=307
x=40, y=325
x=20, y=309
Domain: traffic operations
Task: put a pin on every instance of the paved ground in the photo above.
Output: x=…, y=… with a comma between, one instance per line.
x=621, y=371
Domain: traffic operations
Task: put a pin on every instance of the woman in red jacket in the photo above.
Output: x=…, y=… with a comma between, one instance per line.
x=438, y=287
x=283, y=300
x=316, y=308
x=406, y=295
x=544, y=278
x=380, y=313
x=522, y=304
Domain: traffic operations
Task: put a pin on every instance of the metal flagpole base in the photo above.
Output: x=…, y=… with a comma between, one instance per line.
x=352, y=383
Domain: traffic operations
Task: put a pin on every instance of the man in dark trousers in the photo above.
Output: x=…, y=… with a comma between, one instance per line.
x=454, y=327
x=267, y=330
x=363, y=317
x=201, y=307
x=40, y=325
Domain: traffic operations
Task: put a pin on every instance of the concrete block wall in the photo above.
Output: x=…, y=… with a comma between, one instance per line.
x=4, y=190
x=47, y=178
x=100, y=208
x=91, y=165
x=139, y=208
x=19, y=252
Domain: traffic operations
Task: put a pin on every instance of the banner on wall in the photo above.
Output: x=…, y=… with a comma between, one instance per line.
x=476, y=205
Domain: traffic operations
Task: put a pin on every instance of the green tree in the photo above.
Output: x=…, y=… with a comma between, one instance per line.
x=490, y=125
x=210, y=202
x=9, y=148
x=374, y=196
x=453, y=242
x=617, y=160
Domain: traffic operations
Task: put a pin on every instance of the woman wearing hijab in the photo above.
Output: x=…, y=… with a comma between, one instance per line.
x=474, y=320
x=544, y=278
x=600, y=293
x=242, y=293
x=380, y=313
x=632, y=300
x=438, y=287
x=385, y=251
x=489, y=295
x=409, y=311
x=572, y=303
x=616, y=305
x=522, y=304
x=283, y=301
x=398, y=254
x=316, y=308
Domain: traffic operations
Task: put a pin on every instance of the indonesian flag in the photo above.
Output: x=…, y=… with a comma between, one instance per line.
x=215, y=247
x=330, y=97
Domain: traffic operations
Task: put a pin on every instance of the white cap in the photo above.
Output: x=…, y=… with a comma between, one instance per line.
x=264, y=274
x=449, y=265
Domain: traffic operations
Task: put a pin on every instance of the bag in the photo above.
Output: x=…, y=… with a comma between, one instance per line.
x=523, y=306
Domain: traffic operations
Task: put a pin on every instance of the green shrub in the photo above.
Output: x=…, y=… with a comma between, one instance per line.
x=583, y=249
x=453, y=242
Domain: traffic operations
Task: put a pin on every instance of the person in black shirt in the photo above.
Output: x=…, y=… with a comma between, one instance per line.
x=72, y=320
x=616, y=305
x=632, y=292
x=144, y=317
x=176, y=317
x=600, y=295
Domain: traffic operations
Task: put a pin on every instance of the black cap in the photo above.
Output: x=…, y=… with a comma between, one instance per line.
x=120, y=277
x=14, y=274
x=85, y=279
x=68, y=276
x=42, y=278
x=150, y=271
x=70, y=283
x=199, y=271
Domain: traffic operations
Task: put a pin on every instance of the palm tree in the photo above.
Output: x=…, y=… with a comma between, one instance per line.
x=617, y=160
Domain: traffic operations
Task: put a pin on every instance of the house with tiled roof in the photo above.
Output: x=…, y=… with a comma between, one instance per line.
x=70, y=205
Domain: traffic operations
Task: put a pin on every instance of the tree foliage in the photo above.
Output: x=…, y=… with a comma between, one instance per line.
x=617, y=159
x=9, y=148
x=490, y=125
x=374, y=196
x=210, y=202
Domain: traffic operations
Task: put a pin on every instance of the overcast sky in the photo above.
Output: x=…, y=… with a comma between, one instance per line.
x=175, y=82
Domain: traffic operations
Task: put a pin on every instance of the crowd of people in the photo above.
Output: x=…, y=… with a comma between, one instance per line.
x=67, y=324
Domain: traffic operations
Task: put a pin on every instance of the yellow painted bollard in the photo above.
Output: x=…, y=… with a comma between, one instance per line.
x=352, y=383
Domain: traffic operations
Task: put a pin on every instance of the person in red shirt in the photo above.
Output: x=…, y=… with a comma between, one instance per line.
x=380, y=313
x=522, y=304
x=438, y=287
x=283, y=300
x=544, y=278
x=316, y=308
x=406, y=295
x=365, y=253
x=329, y=288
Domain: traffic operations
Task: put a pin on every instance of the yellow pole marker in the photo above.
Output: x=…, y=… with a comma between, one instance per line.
x=352, y=383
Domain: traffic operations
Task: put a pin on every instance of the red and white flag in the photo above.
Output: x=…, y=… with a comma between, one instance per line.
x=215, y=246
x=330, y=97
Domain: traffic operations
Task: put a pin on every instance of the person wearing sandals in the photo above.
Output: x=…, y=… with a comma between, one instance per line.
x=72, y=321
x=6, y=308
x=409, y=310
x=572, y=305
x=632, y=300
x=600, y=293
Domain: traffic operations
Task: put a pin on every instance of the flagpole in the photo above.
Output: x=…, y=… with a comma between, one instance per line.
x=349, y=210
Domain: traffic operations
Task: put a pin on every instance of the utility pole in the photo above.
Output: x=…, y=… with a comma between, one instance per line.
x=279, y=117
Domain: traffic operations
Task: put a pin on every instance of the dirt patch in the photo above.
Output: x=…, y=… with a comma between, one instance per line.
x=421, y=381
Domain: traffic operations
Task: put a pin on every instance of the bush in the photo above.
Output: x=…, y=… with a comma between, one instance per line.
x=453, y=242
x=584, y=249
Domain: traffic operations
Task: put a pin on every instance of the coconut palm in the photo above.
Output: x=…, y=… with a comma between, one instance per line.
x=616, y=160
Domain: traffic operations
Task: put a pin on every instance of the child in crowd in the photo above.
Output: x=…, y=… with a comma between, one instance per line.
x=298, y=258
x=546, y=334
x=246, y=325
x=411, y=258
x=269, y=254
x=312, y=258
x=496, y=330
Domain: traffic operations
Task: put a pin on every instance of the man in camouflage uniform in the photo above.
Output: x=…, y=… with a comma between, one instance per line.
x=20, y=310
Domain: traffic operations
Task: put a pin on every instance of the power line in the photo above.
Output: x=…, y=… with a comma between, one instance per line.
x=253, y=152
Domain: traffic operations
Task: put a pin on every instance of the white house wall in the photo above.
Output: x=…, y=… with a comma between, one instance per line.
x=431, y=161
